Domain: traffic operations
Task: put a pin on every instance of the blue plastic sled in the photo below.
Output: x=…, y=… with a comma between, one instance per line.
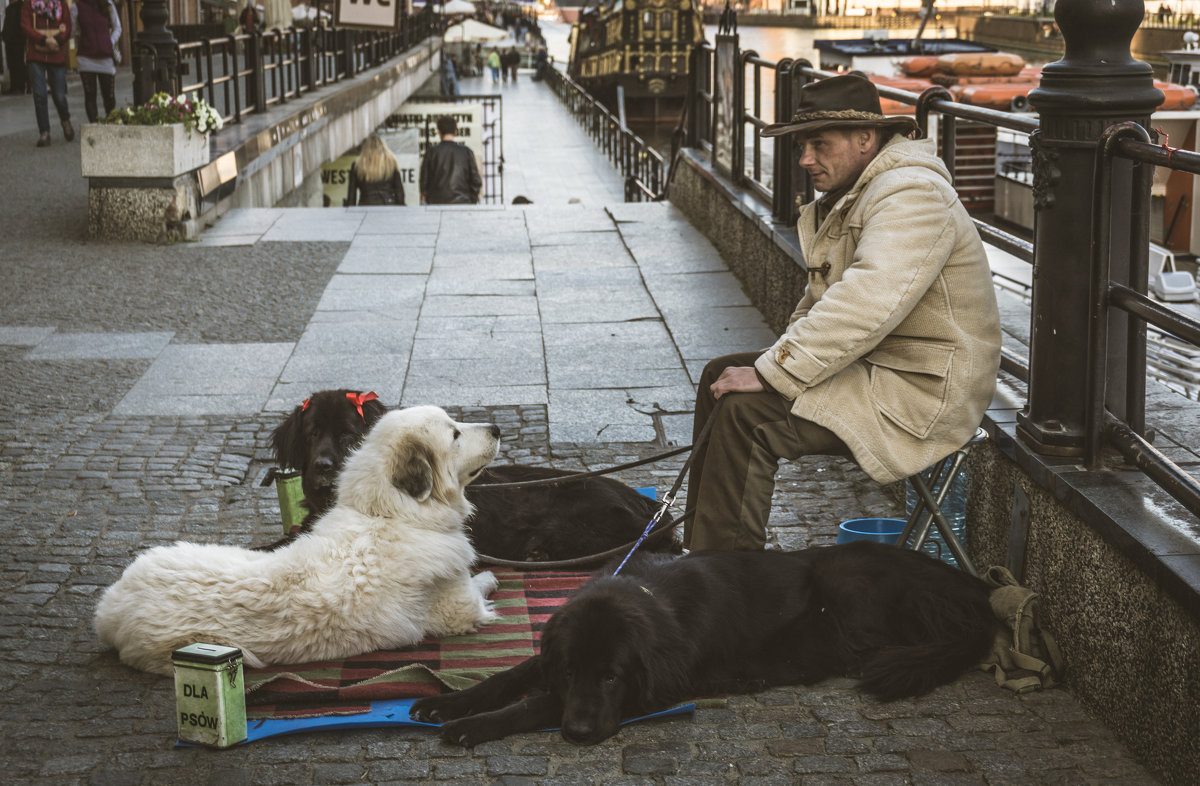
x=383, y=714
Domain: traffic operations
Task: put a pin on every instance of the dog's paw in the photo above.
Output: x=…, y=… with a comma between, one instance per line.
x=485, y=582
x=469, y=732
x=439, y=709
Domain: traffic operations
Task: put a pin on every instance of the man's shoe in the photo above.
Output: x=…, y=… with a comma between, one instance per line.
x=44, y=140
x=68, y=130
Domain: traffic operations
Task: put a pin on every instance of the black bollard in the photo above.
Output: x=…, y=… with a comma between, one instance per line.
x=1095, y=84
x=156, y=54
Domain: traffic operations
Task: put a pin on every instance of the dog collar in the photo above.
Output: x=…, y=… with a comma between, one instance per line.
x=358, y=399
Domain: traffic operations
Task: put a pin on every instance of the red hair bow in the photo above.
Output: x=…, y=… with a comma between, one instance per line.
x=358, y=399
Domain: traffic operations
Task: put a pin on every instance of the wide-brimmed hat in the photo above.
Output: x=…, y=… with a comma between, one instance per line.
x=847, y=101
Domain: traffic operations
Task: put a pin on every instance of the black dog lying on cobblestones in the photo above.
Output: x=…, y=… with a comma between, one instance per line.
x=536, y=524
x=713, y=622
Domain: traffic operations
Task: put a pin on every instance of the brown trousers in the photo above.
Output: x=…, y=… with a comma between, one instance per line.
x=732, y=477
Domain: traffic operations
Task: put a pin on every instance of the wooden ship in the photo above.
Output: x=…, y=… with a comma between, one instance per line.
x=633, y=55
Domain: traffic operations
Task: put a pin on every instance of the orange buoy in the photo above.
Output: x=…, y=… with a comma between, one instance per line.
x=981, y=64
x=1005, y=96
x=919, y=65
x=1176, y=96
x=909, y=84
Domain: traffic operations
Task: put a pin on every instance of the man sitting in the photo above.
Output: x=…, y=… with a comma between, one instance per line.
x=891, y=355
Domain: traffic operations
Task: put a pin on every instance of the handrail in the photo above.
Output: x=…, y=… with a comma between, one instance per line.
x=248, y=73
x=1131, y=142
x=643, y=167
x=787, y=75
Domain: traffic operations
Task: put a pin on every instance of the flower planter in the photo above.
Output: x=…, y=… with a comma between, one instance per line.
x=140, y=151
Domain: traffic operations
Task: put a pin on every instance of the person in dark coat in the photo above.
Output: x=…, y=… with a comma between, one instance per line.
x=509, y=61
x=14, y=49
x=97, y=29
x=539, y=64
x=449, y=173
x=375, y=176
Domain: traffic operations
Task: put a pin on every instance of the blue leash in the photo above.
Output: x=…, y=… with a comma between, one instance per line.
x=669, y=498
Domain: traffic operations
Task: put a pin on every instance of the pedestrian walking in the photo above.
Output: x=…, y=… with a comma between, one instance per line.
x=511, y=60
x=97, y=30
x=375, y=176
x=47, y=28
x=449, y=172
x=14, y=49
x=539, y=64
x=493, y=63
x=448, y=75
x=250, y=18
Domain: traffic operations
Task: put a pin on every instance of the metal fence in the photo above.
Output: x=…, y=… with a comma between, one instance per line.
x=248, y=73
x=642, y=166
x=770, y=171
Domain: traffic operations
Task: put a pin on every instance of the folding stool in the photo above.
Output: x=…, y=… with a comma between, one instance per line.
x=931, y=494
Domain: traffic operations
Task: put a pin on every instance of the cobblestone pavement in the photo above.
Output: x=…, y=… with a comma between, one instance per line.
x=82, y=490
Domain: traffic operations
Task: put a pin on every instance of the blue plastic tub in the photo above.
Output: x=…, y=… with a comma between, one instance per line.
x=879, y=530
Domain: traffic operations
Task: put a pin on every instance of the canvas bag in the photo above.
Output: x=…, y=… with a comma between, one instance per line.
x=1024, y=657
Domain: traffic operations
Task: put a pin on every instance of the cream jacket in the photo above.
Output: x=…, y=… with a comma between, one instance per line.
x=896, y=346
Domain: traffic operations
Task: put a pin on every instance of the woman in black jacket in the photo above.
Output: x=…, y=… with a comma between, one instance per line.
x=375, y=176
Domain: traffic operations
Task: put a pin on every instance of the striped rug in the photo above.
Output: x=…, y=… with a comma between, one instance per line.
x=524, y=601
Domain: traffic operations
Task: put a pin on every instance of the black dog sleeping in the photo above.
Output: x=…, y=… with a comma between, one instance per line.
x=717, y=622
x=537, y=523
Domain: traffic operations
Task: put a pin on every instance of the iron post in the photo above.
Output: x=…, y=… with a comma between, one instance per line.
x=156, y=58
x=1096, y=84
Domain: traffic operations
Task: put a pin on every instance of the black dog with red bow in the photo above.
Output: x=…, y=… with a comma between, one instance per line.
x=534, y=524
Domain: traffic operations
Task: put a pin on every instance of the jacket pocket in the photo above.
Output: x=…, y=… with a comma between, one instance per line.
x=909, y=381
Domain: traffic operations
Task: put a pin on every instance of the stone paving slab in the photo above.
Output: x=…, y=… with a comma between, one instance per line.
x=207, y=379
x=300, y=224
x=24, y=336
x=378, y=260
x=99, y=346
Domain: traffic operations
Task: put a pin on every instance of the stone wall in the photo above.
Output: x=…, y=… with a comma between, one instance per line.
x=1132, y=648
x=767, y=261
x=281, y=164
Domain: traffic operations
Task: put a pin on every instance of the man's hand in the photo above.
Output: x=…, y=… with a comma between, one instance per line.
x=737, y=379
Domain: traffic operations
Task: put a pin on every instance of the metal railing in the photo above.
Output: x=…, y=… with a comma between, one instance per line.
x=1131, y=142
x=770, y=172
x=769, y=169
x=643, y=167
x=249, y=73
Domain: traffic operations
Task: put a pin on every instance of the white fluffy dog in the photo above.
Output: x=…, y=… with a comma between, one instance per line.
x=387, y=566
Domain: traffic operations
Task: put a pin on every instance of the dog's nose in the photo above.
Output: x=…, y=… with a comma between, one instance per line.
x=578, y=731
x=323, y=464
x=495, y=431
